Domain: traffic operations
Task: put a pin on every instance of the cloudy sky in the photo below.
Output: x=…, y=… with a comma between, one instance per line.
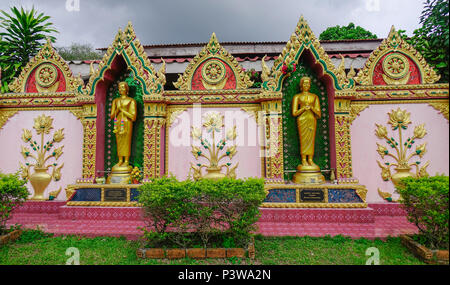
x=192, y=21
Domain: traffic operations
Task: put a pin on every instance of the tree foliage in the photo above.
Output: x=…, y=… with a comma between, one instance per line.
x=432, y=39
x=350, y=32
x=22, y=34
x=79, y=52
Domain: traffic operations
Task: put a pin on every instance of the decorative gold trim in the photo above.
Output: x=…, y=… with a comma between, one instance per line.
x=103, y=204
x=442, y=108
x=356, y=109
x=273, y=134
x=395, y=43
x=253, y=111
x=152, y=145
x=430, y=91
x=5, y=114
x=173, y=113
x=212, y=51
x=314, y=205
x=47, y=54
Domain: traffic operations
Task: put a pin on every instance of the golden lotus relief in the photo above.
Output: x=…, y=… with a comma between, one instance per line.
x=41, y=155
x=401, y=150
x=212, y=152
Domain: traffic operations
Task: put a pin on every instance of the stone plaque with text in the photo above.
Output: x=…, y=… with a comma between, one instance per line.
x=115, y=195
x=312, y=195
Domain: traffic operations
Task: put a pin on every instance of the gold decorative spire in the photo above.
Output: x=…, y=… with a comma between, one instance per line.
x=128, y=46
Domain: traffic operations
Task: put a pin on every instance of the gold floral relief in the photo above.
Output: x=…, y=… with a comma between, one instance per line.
x=211, y=151
x=400, y=150
x=41, y=155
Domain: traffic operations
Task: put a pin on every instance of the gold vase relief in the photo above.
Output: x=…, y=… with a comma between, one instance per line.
x=401, y=150
x=212, y=152
x=42, y=156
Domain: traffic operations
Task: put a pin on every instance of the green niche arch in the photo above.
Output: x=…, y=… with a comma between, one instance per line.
x=137, y=144
x=291, y=141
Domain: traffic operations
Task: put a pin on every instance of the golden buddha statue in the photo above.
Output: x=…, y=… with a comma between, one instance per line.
x=306, y=107
x=123, y=112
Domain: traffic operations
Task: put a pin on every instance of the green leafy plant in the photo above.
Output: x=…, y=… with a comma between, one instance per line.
x=13, y=193
x=207, y=212
x=350, y=32
x=432, y=39
x=22, y=34
x=426, y=202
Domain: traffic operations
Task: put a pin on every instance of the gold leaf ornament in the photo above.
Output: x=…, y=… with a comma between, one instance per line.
x=26, y=135
x=385, y=172
x=25, y=152
x=421, y=149
x=24, y=171
x=381, y=131
x=43, y=124
x=419, y=131
x=231, y=151
x=399, y=119
x=196, y=152
x=57, y=173
x=57, y=152
x=196, y=133
x=231, y=133
x=58, y=136
x=213, y=121
x=382, y=150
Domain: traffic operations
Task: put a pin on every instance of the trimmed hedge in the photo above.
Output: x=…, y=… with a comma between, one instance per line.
x=13, y=193
x=202, y=213
x=426, y=202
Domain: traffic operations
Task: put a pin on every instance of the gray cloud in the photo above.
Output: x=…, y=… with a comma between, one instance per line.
x=193, y=21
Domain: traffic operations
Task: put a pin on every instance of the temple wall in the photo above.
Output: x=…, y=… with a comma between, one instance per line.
x=11, y=143
x=364, y=144
x=179, y=156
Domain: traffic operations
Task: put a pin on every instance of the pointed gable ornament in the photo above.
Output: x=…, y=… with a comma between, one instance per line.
x=395, y=62
x=46, y=72
x=129, y=47
x=213, y=68
x=302, y=39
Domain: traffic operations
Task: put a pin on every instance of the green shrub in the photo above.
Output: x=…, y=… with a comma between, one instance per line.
x=200, y=213
x=426, y=201
x=13, y=193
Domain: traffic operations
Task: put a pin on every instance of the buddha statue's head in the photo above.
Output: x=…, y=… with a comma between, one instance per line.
x=123, y=88
x=305, y=84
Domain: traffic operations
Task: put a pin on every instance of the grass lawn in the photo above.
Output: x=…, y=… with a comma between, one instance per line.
x=36, y=248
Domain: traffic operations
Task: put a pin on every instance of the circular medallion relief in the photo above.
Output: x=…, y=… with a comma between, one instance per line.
x=46, y=75
x=396, y=65
x=213, y=72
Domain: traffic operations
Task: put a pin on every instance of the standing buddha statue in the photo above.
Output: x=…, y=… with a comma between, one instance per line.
x=306, y=108
x=123, y=112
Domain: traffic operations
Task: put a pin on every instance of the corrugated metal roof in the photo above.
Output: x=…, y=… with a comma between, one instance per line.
x=249, y=43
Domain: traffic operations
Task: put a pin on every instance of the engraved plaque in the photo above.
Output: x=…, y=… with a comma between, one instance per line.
x=115, y=195
x=312, y=195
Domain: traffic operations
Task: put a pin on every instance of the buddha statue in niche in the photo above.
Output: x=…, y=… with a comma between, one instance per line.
x=123, y=112
x=306, y=108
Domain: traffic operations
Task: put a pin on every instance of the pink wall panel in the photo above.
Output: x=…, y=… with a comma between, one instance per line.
x=364, y=147
x=247, y=141
x=11, y=142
